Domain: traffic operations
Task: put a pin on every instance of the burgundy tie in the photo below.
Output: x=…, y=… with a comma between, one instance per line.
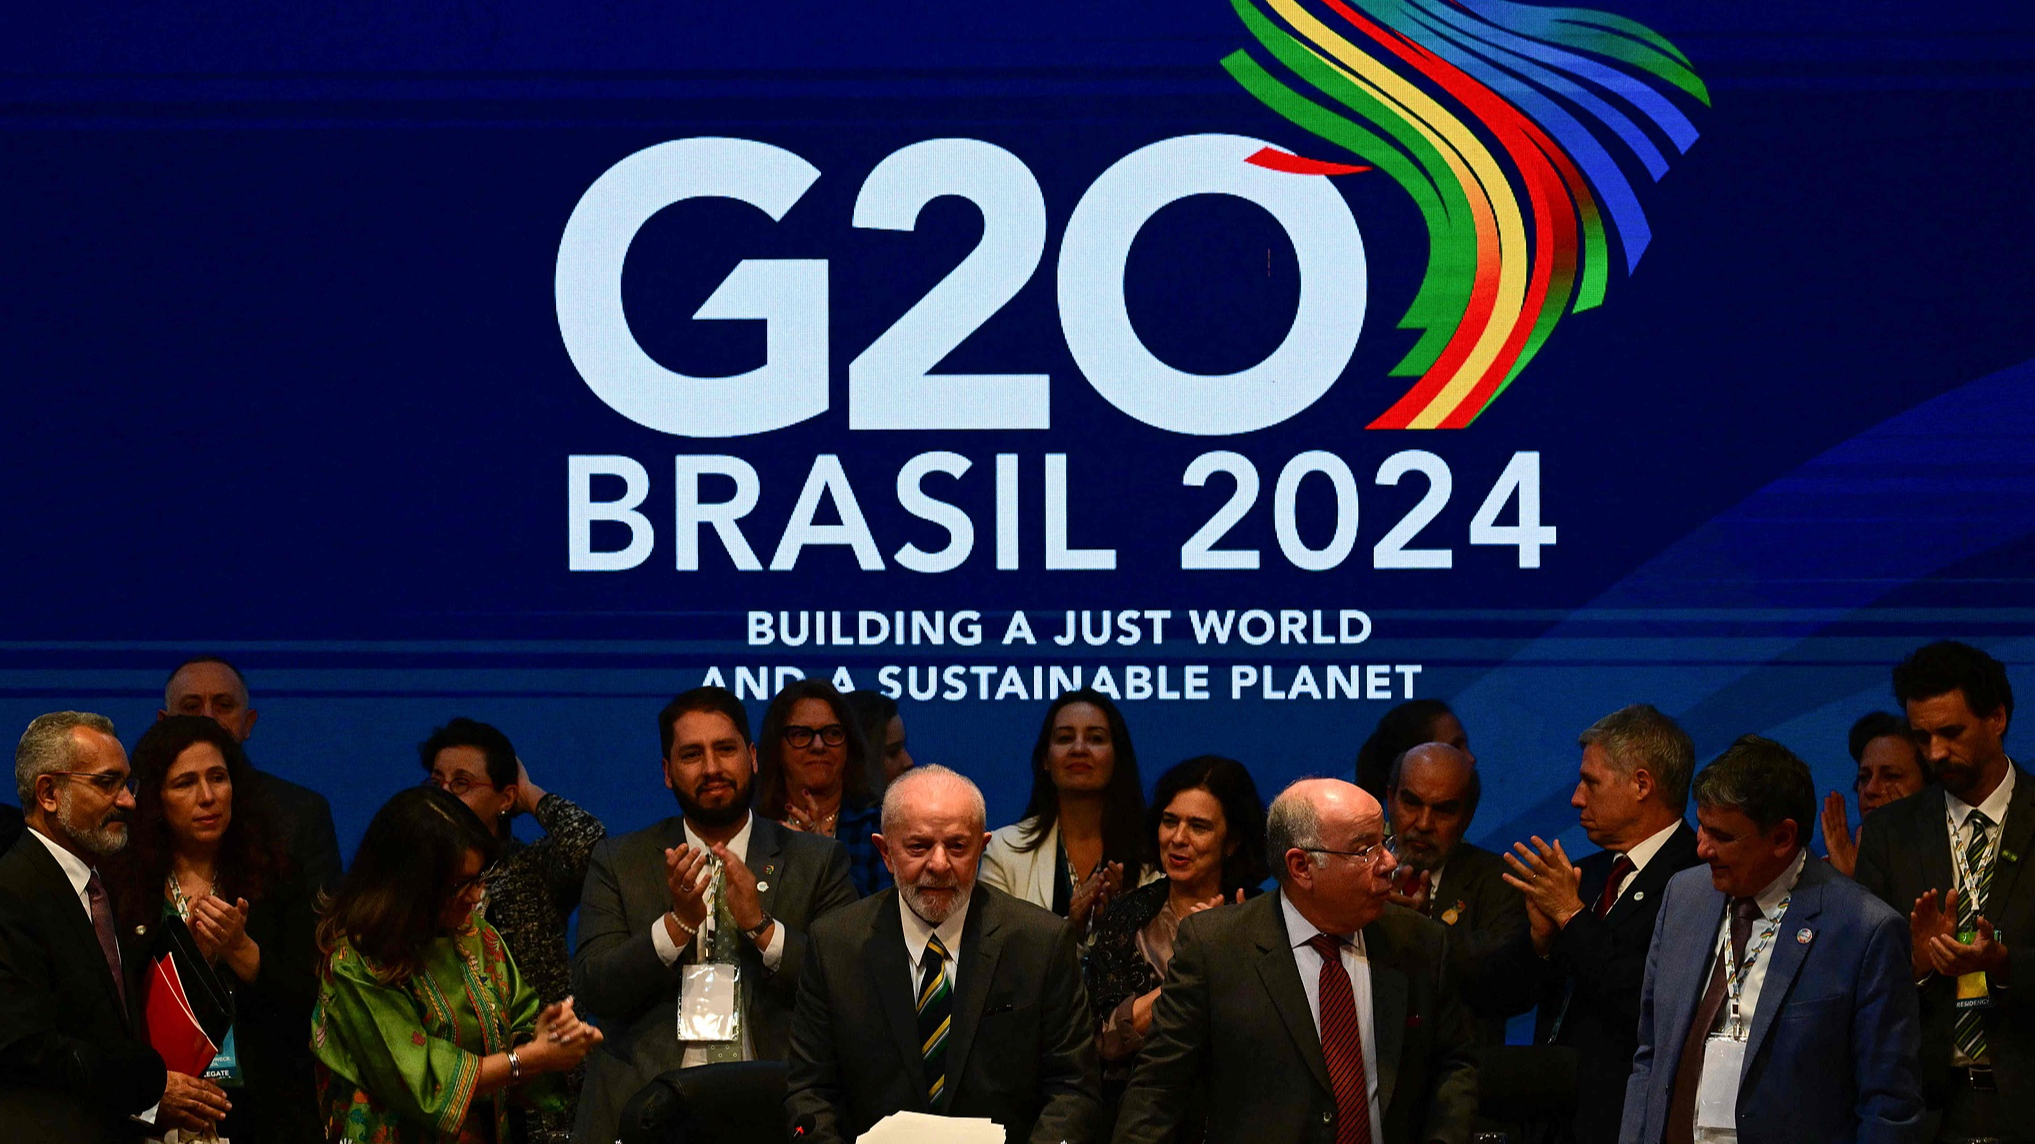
x=1342, y=1044
x=1689, y=1070
x=1620, y=867
x=102, y=924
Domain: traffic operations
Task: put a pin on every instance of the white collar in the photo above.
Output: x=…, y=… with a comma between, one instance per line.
x=1643, y=853
x=1777, y=891
x=1297, y=924
x=738, y=845
x=1995, y=805
x=74, y=866
x=918, y=931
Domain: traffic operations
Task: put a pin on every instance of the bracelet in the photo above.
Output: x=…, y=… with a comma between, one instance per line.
x=515, y=1068
x=690, y=931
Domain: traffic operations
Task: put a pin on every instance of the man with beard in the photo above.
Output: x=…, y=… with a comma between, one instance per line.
x=674, y=911
x=1433, y=796
x=941, y=995
x=74, y=1067
x=1951, y=858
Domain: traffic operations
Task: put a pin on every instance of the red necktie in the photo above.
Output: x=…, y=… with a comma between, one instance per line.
x=102, y=924
x=1620, y=867
x=1342, y=1044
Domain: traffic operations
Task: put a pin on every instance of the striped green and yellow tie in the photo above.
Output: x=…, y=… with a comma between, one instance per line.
x=936, y=1019
x=1970, y=1030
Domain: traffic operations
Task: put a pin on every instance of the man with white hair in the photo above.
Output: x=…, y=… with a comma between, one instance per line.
x=941, y=995
x=74, y=1065
x=1314, y=1014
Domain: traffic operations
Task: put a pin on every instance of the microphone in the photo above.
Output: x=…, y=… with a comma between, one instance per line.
x=803, y=1127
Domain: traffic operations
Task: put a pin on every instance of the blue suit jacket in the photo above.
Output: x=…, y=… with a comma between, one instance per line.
x=1831, y=1053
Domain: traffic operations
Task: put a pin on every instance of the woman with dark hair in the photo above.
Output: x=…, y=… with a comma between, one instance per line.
x=811, y=775
x=1209, y=824
x=204, y=850
x=1082, y=839
x=888, y=756
x=1401, y=729
x=535, y=886
x=423, y=1028
x=1890, y=768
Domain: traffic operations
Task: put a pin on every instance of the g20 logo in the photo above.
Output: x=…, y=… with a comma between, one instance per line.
x=891, y=383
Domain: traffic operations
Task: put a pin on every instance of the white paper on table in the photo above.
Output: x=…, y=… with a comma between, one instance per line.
x=921, y=1128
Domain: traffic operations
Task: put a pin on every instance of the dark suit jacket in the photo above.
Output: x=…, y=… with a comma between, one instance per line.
x=309, y=837
x=73, y=1066
x=618, y=979
x=1021, y=1051
x=1233, y=1021
x=1491, y=961
x=11, y=826
x=1905, y=852
x=1591, y=982
x=1830, y=1052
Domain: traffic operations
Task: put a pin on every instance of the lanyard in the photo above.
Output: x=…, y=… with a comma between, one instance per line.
x=1960, y=865
x=1734, y=981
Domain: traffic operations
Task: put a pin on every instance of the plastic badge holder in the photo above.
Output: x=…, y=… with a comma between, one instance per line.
x=707, y=1009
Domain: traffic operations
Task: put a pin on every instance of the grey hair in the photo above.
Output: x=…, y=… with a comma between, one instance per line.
x=48, y=745
x=894, y=798
x=1291, y=823
x=1638, y=737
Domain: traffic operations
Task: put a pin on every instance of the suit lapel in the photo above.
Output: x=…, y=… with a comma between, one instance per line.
x=890, y=977
x=1647, y=885
x=1785, y=955
x=975, y=969
x=1691, y=944
x=1281, y=977
x=64, y=897
x=1935, y=838
x=1388, y=1009
x=2017, y=834
x=765, y=858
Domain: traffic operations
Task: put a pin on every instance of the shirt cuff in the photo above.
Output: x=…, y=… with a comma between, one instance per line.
x=773, y=954
x=660, y=940
x=147, y=1116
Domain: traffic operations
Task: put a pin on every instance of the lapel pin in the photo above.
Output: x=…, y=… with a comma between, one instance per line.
x=1803, y=935
x=2010, y=856
x=762, y=887
x=1453, y=914
x=1639, y=895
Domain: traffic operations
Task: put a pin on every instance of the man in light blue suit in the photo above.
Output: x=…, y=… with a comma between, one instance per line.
x=1778, y=1005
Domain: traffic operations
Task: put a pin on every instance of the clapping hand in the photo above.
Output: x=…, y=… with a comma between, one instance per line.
x=1093, y=895
x=1933, y=933
x=1549, y=881
x=1837, y=837
x=685, y=880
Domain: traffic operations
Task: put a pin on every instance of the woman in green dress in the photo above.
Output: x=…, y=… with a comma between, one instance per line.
x=424, y=1032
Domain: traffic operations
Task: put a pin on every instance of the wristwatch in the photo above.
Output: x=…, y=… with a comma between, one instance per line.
x=756, y=931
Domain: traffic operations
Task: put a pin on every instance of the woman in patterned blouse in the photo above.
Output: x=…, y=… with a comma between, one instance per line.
x=424, y=1031
x=534, y=887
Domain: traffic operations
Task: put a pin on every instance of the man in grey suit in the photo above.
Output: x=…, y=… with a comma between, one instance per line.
x=664, y=906
x=941, y=995
x=1318, y=1013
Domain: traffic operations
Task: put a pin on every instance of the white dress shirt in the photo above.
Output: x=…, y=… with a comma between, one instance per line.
x=1300, y=931
x=1995, y=808
x=1640, y=855
x=74, y=869
x=1765, y=932
x=918, y=932
x=668, y=951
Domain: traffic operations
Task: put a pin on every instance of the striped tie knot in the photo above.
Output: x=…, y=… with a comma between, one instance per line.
x=1328, y=946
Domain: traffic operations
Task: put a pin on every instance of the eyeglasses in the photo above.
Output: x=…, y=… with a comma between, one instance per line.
x=108, y=782
x=458, y=784
x=1363, y=855
x=833, y=735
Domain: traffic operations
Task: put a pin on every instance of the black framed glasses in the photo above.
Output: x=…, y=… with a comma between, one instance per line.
x=108, y=782
x=458, y=784
x=833, y=735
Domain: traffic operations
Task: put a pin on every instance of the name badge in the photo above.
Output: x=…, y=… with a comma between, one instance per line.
x=1717, y=1092
x=707, y=1003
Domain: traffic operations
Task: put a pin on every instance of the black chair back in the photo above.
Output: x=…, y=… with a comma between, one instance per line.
x=738, y=1103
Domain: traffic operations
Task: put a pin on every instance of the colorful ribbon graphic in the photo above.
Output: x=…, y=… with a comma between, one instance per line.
x=1493, y=116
